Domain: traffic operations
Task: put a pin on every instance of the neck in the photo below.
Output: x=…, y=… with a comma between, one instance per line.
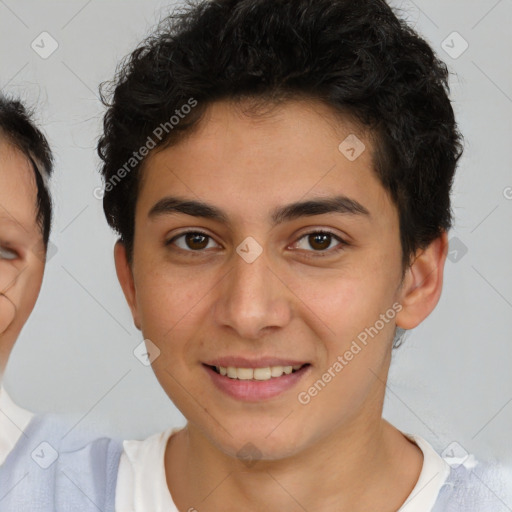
x=365, y=465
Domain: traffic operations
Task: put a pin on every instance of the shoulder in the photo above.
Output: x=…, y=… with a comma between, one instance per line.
x=482, y=486
x=87, y=476
x=143, y=458
x=38, y=445
x=141, y=476
x=55, y=465
x=461, y=483
x=63, y=466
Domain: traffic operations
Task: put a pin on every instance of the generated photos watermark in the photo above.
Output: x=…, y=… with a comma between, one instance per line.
x=357, y=345
x=157, y=135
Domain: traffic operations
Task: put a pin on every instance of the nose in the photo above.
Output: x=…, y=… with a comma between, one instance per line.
x=252, y=299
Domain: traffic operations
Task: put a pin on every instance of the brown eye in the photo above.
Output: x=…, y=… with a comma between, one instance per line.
x=320, y=242
x=191, y=241
x=196, y=240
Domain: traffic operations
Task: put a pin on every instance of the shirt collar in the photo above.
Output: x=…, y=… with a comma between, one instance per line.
x=13, y=421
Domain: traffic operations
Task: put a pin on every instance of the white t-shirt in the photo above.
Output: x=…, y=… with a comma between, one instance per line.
x=13, y=421
x=142, y=484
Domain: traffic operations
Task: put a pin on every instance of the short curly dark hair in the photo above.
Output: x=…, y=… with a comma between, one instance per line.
x=358, y=58
x=18, y=129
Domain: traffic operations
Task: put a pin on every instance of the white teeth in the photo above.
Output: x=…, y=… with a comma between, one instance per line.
x=244, y=373
x=256, y=373
x=276, y=371
x=262, y=373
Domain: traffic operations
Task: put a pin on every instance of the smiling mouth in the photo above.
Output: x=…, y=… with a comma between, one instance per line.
x=258, y=374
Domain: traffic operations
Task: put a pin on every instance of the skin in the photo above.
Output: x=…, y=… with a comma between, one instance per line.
x=336, y=453
x=21, y=247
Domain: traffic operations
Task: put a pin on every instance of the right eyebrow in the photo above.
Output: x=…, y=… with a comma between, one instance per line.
x=170, y=205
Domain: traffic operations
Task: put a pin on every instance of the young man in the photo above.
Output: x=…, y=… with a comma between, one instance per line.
x=279, y=173
x=45, y=464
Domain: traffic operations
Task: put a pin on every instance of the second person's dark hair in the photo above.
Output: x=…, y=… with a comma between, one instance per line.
x=18, y=129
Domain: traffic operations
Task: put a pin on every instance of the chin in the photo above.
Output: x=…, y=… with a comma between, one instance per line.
x=252, y=445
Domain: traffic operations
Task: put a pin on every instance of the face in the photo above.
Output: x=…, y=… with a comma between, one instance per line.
x=21, y=247
x=261, y=248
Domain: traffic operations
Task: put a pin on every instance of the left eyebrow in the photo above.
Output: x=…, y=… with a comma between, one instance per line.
x=338, y=204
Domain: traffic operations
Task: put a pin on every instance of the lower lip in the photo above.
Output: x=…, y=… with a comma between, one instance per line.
x=256, y=390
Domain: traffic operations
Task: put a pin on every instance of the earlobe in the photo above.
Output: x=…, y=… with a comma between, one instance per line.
x=423, y=283
x=125, y=277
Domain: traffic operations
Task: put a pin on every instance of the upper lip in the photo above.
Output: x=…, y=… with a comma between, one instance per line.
x=243, y=362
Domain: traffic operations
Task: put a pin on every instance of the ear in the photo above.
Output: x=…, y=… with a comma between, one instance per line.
x=125, y=277
x=422, y=284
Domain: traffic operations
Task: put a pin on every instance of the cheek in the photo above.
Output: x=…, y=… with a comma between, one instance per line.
x=167, y=300
x=21, y=290
x=353, y=350
x=345, y=301
x=8, y=274
x=8, y=308
x=7, y=313
x=27, y=292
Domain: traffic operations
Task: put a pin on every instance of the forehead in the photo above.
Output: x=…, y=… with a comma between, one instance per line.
x=18, y=189
x=253, y=162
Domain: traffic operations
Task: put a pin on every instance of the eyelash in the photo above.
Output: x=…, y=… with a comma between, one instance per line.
x=320, y=254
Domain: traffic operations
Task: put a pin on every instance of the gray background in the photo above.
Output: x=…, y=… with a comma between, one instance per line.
x=450, y=381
